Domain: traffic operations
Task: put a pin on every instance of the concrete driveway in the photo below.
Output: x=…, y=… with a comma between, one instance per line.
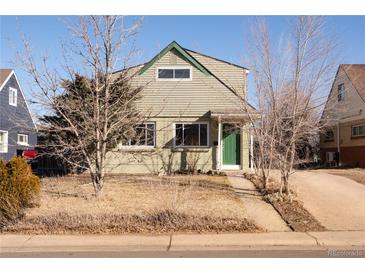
x=335, y=201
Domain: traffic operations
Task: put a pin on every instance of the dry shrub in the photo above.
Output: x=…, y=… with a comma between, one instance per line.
x=176, y=197
x=294, y=213
x=19, y=188
x=272, y=186
x=158, y=222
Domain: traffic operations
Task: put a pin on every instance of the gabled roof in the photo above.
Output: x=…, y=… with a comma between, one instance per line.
x=219, y=60
x=4, y=76
x=182, y=51
x=141, y=68
x=356, y=74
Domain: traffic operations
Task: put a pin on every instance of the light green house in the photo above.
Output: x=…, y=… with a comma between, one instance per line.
x=194, y=103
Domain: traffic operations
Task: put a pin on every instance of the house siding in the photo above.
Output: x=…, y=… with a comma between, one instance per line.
x=233, y=76
x=15, y=119
x=169, y=102
x=164, y=157
x=193, y=98
x=344, y=114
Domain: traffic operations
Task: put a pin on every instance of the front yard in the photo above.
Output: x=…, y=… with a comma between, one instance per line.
x=136, y=204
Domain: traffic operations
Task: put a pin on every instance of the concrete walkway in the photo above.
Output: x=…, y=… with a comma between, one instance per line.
x=257, y=209
x=336, y=202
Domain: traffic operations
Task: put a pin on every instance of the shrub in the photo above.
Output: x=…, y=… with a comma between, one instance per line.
x=19, y=188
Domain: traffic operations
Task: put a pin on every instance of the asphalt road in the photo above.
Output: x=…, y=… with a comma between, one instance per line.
x=248, y=253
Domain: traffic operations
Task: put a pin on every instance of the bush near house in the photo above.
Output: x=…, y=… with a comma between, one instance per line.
x=19, y=189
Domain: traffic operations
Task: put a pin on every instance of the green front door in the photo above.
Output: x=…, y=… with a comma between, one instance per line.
x=231, y=145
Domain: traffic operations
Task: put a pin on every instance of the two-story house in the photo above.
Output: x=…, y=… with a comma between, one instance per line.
x=344, y=141
x=17, y=128
x=195, y=103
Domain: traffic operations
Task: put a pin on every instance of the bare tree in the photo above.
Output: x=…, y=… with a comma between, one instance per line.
x=290, y=78
x=90, y=109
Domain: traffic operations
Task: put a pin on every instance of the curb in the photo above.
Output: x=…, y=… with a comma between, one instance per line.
x=21, y=243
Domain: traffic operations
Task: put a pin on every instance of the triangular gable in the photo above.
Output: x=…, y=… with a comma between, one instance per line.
x=340, y=67
x=182, y=51
x=12, y=73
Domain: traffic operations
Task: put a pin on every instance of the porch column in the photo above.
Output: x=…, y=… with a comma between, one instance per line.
x=219, y=157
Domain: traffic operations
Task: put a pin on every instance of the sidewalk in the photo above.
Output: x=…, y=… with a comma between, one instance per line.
x=257, y=209
x=10, y=243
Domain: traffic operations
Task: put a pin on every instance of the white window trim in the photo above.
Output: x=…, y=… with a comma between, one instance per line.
x=15, y=96
x=5, y=141
x=359, y=135
x=142, y=147
x=175, y=79
x=190, y=123
x=23, y=143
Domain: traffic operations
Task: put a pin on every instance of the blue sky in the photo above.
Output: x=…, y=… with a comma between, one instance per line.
x=218, y=36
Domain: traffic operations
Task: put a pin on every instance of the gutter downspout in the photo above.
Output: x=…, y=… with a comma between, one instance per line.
x=338, y=142
x=219, y=165
x=251, y=150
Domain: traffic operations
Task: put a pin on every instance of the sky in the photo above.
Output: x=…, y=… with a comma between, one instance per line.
x=222, y=37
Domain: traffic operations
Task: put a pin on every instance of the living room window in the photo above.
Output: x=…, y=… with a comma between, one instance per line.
x=3, y=141
x=178, y=73
x=144, y=135
x=358, y=131
x=191, y=135
x=341, y=92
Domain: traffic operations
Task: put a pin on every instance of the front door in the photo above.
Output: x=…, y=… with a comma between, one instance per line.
x=231, y=145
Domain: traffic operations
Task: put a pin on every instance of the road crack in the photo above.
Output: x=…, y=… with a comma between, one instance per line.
x=169, y=246
x=313, y=237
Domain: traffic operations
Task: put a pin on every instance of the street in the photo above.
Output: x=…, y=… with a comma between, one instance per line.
x=262, y=252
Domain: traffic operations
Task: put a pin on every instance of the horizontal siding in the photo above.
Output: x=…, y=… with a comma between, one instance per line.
x=232, y=76
x=186, y=98
x=164, y=157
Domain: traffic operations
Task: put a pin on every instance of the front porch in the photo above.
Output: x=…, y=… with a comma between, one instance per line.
x=235, y=141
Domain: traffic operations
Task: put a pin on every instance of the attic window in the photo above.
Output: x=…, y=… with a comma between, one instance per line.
x=174, y=73
x=341, y=92
x=13, y=96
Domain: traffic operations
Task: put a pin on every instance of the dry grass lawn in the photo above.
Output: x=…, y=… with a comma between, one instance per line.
x=136, y=204
x=356, y=174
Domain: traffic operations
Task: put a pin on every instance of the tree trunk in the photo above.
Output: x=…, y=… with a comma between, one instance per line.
x=284, y=186
x=97, y=178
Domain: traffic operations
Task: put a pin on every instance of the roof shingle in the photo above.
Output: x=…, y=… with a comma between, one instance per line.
x=4, y=73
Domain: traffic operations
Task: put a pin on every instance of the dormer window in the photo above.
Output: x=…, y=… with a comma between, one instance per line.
x=341, y=92
x=13, y=96
x=176, y=73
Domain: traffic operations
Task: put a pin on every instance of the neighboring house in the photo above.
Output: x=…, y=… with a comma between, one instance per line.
x=344, y=141
x=193, y=103
x=17, y=128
